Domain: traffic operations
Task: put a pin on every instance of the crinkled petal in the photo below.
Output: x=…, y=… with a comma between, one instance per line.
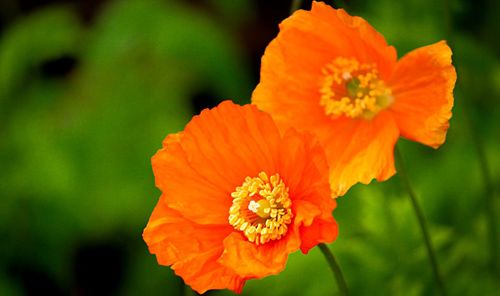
x=316, y=224
x=219, y=148
x=203, y=272
x=361, y=150
x=309, y=188
x=364, y=42
x=255, y=261
x=336, y=33
x=198, y=197
x=422, y=85
x=321, y=231
x=304, y=168
x=171, y=236
x=193, y=249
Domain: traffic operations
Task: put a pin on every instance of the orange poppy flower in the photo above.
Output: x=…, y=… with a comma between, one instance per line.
x=333, y=74
x=237, y=197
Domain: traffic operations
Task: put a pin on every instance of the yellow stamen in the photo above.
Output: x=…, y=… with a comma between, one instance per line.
x=353, y=89
x=261, y=208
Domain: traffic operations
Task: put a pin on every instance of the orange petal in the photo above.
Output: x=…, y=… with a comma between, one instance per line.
x=255, y=261
x=302, y=164
x=320, y=231
x=336, y=34
x=203, y=272
x=172, y=138
x=304, y=167
x=193, y=249
x=307, y=178
x=289, y=85
x=364, y=42
x=172, y=237
x=316, y=223
x=422, y=85
x=216, y=151
x=360, y=150
x=192, y=193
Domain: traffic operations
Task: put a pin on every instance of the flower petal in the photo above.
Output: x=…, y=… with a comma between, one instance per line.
x=316, y=223
x=339, y=34
x=364, y=42
x=320, y=231
x=302, y=164
x=172, y=138
x=289, y=84
x=360, y=150
x=255, y=261
x=422, y=86
x=194, y=194
x=309, y=187
x=193, y=249
x=198, y=170
x=203, y=273
x=172, y=237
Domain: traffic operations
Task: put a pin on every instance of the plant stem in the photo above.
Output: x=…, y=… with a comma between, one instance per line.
x=334, y=266
x=421, y=220
x=295, y=5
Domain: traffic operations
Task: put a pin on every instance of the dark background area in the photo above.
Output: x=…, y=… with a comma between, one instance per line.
x=88, y=90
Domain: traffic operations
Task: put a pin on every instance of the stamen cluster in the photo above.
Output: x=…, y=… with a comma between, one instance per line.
x=261, y=208
x=353, y=89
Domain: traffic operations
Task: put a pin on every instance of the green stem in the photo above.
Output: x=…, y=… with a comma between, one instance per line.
x=334, y=266
x=421, y=221
x=295, y=5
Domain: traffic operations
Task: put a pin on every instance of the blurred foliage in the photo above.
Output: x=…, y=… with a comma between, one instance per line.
x=83, y=107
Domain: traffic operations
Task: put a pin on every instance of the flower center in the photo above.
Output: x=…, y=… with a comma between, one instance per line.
x=261, y=208
x=353, y=89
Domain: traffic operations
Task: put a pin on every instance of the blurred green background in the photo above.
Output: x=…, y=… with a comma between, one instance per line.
x=89, y=89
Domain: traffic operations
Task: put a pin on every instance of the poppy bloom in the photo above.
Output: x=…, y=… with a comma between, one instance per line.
x=237, y=197
x=334, y=75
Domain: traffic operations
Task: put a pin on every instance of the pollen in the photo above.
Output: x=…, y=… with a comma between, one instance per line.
x=353, y=89
x=261, y=208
